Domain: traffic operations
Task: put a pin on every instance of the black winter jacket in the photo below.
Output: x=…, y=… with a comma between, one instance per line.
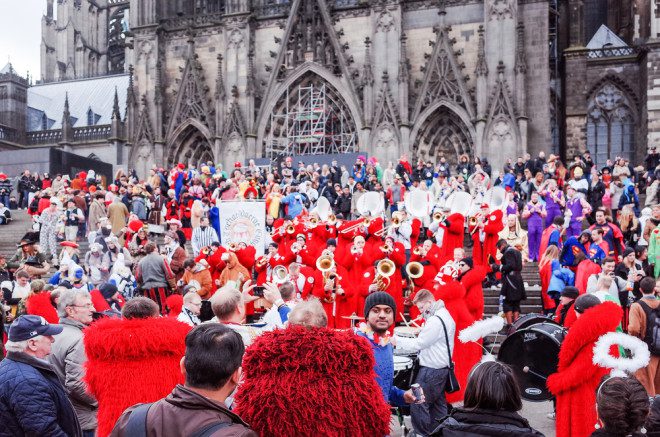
x=478, y=423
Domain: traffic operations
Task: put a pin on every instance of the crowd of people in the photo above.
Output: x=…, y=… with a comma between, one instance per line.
x=165, y=324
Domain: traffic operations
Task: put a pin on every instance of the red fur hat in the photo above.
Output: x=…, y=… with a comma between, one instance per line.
x=175, y=304
x=40, y=305
x=311, y=382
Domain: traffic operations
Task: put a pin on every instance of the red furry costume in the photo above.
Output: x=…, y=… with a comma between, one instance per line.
x=40, y=305
x=465, y=355
x=577, y=376
x=492, y=227
x=131, y=361
x=454, y=229
x=311, y=382
x=474, y=298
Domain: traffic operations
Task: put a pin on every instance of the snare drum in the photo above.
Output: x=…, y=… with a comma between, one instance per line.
x=402, y=363
x=407, y=331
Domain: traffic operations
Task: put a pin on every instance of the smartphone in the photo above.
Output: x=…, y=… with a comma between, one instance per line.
x=258, y=291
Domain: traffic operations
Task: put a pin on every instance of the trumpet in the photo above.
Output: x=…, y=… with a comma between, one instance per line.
x=332, y=220
x=386, y=248
x=474, y=222
x=384, y=269
x=438, y=217
x=418, y=250
x=232, y=246
x=312, y=223
x=205, y=250
x=263, y=260
x=280, y=275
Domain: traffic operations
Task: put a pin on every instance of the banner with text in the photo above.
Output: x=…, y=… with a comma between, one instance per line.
x=243, y=222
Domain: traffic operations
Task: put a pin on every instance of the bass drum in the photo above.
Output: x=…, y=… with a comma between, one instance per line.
x=533, y=353
x=529, y=320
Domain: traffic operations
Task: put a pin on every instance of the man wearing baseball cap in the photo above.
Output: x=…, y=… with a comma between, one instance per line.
x=32, y=398
x=379, y=312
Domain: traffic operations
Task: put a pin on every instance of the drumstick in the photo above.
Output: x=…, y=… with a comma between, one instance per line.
x=404, y=319
x=413, y=322
x=526, y=369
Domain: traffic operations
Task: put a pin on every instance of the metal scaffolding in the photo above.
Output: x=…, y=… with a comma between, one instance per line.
x=311, y=122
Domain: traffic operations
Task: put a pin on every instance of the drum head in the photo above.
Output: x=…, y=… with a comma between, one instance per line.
x=529, y=320
x=402, y=363
x=407, y=331
x=537, y=349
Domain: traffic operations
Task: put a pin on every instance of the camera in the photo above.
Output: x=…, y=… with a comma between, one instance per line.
x=258, y=291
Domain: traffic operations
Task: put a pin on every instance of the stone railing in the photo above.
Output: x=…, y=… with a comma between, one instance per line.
x=91, y=133
x=613, y=52
x=53, y=136
x=9, y=134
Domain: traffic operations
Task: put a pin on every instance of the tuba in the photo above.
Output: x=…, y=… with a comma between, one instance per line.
x=280, y=275
x=384, y=269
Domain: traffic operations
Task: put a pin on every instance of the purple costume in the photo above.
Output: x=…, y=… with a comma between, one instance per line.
x=534, y=229
x=575, y=227
x=512, y=208
x=553, y=208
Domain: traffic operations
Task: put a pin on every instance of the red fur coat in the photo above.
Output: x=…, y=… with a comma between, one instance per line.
x=311, y=382
x=474, y=299
x=132, y=361
x=577, y=377
x=40, y=305
x=465, y=355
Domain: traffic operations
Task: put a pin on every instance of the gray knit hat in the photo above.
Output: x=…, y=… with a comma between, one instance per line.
x=378, y=298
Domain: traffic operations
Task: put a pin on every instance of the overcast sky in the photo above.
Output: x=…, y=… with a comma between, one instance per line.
x=20, y=35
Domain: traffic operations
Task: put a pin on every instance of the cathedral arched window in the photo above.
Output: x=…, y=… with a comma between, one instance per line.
x=117, y=26
x=610, y=125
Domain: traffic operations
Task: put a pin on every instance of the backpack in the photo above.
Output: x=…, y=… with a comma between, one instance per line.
x=136, y=426
x=652, y=334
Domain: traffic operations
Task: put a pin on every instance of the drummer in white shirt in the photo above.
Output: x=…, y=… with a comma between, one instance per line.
x=434, y=360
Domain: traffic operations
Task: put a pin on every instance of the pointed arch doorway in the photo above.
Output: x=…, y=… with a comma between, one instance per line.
x=443, y=132
x=190, y=144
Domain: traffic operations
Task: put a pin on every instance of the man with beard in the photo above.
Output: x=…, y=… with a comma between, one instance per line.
x=379, y=311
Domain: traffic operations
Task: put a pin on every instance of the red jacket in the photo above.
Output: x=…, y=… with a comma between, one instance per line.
x=453, y=236
x=492, y=229
x=577, y=377
x=474, y=298
x=132, y=361
x=40, y=305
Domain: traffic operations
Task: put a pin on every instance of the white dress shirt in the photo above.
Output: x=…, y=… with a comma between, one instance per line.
x=431, y=342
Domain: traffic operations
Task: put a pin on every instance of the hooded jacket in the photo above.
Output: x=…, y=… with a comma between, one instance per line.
x=311, y=382
x=474, y=299
x=577, y=376
x=132, y=361
x=233, y=270
x=40, y=305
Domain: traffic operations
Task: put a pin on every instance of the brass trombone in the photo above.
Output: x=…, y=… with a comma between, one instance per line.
x=415, y=269
x=396, y=222
x=365, y=222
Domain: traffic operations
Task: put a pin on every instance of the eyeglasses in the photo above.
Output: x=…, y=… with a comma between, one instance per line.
x=89, y=305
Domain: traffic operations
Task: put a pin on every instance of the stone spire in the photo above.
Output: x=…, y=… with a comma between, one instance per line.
x=116, y=115
x=404, y=74
x=521, y=59
x=482, y=66
x=367, y=74
x=220, y=92
x=67, y=127
x=130, y=95
x=66, y=115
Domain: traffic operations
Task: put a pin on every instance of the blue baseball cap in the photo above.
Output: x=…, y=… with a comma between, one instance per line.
x=27, y=327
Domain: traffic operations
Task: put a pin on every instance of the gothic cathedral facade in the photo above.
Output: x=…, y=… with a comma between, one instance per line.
x=227, y=81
